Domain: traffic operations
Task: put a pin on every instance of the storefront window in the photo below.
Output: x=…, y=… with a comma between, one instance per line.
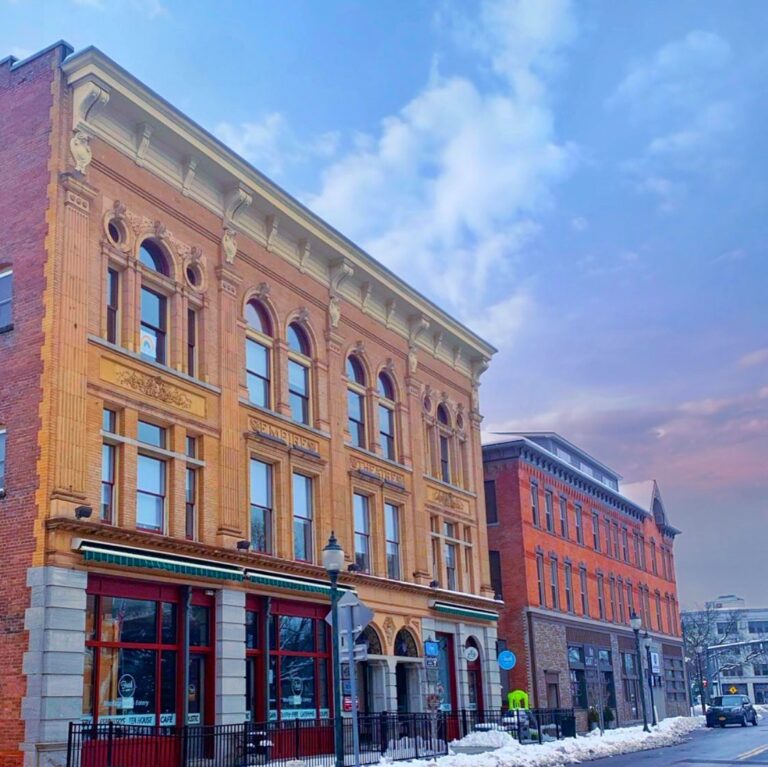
x=133, y=653
x=445, y=671
x=298, y=663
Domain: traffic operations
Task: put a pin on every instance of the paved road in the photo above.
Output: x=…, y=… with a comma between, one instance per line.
x=743, y=746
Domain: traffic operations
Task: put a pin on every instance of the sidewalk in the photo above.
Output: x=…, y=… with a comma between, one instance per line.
x=509, y=753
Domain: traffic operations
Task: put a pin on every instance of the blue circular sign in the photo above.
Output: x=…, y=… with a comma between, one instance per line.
x=507, y=660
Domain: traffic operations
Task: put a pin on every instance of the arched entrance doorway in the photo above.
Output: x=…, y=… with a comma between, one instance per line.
x=475, y=700
x=406, y=672
x=370, y=673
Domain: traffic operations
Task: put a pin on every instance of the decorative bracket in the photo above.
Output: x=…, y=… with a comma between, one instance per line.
x=417, y=324
x=190, y=165
x=272, y=225
x=236, y=202
x=389, y=311
x=143, y=136
x=340, y=270
x=90, y=98
x=365, y=295
x=304, y=248
x=437, y=342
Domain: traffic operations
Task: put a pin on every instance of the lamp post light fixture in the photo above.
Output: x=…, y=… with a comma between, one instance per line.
x=636, y=622
x=647, y=645
x=702, y=690
x=333, y=562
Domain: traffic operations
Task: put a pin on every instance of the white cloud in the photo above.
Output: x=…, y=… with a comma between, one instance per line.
x=675, y=75
x=754, y=358
x=271, y=145
x=579, y=224
x=446, y=192
x=681, y=95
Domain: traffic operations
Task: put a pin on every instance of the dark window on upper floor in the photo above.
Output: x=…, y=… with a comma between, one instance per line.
x=491, y=511
x=494, y=558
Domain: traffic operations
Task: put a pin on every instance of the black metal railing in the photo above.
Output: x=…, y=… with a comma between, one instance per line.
x=391, y=735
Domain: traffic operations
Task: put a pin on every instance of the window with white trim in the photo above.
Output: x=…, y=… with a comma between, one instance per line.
x=258, y=354
x=6, y=299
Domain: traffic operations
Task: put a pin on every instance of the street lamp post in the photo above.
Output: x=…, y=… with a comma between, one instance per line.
x=702, y=691
x=636, y=622
x=647, y=645
x=333, y=561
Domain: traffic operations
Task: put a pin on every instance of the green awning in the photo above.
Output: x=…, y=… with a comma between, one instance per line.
x=150, y=560
x=306, y=585
x=465, y=612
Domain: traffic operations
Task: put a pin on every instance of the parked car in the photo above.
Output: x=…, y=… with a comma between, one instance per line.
x=731, y=709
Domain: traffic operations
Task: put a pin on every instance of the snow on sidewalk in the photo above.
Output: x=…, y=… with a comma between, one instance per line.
x=571, y=750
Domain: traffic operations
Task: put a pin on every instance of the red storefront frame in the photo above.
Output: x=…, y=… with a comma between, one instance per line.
x=282, y=731
x=109, y=586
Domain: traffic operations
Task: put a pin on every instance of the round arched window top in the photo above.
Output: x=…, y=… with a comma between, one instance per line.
x=297, y=339
x=442, y=415
x=116, y=232
x=152, y=256
x=355, y=371
x=427, y=404
x=405, y=645
x=257, y=318
x=386, y=389
x=459, y=421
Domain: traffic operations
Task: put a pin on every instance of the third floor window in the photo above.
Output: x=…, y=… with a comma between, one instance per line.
x=356, y=401
x=299, y=364
x=258, y=354
x=387, y=417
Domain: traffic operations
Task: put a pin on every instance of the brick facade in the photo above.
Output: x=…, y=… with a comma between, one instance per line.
x=529, y=544
x=26, y=109
x=91, y=189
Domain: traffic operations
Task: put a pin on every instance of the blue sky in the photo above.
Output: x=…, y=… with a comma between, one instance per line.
x=583, y=184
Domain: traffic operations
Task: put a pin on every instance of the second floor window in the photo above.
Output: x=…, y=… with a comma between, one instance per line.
x=540, y=579
x=151, y=479
x=491, y=509
x=600, y=596
x=450, y=566
x=299, y=363
x=569, y=587
x=190, y=492
x=302, y=518
x=152, y=343
x=584, y=592
x=554, y=584
x=362, y=522
x=258, y=353
x=261, y=506
x=108, y=473
x=387, y=417
x=6, y=299
x=392, y=536
x=595, y=531
x=356, y=401
x=150, y=493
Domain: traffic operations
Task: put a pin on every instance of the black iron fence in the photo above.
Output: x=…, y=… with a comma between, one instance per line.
x=391, y=735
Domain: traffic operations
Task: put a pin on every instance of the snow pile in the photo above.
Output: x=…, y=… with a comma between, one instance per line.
x=762, y=710
x=490, y=738
x=572, y=750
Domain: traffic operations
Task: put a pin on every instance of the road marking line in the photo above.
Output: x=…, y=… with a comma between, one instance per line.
x=754, y=752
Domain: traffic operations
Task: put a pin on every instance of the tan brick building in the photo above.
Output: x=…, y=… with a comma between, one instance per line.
x=200, y=380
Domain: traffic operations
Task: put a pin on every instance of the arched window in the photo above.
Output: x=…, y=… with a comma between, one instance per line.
x=444, y=443
x=153, y=323
x=405, y=645
x=370, y=638
x=356, y=401
x=258, y=354
x=152, y=256
x=387, y=417
x=299, y=365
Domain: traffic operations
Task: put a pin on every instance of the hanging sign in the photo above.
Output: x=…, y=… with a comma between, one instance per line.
x=507, y=660
x=471, y=654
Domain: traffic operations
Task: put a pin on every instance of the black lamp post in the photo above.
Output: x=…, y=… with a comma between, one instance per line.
x=636, y=622
x=333, y=561
x=647, y=645
x=702, y=690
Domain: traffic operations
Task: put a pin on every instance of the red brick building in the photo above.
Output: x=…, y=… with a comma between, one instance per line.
x=573, y=553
